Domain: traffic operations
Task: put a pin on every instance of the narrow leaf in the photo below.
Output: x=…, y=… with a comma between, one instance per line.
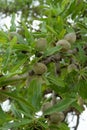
x=61, y=106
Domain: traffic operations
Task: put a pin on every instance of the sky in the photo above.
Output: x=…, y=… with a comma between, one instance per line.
x=83, y=117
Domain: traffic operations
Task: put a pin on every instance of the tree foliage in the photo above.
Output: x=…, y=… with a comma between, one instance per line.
x=35, y=62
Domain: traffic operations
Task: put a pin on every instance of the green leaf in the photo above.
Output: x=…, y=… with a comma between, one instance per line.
x=77, y=107
x=60, y=23
x=70, y=8
x=51, y=51
x=82, y=88
x=3, y=37
x=43, y=124
x=13, y=41
x=9, y=79
x=17, y=124
x=22, y=47
x=13, y=25
x=63, y=126
x=60, y=106
x=28, y=34
x=19, y=64
x=4, y=117
x=15, y=111
x=62, y=33
x=19, y=99
x=6, y=58
x=77, y=10
x=64, y=3
x=51, y=30
x=19, y=38
x=81, y=55
x=34, y=93
x=56, y=80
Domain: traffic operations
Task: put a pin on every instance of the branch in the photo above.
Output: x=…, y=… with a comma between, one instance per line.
x=57, y=57
x=77, y=123
x=52, y=58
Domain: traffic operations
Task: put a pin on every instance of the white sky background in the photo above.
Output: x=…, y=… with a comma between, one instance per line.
x=83, y=118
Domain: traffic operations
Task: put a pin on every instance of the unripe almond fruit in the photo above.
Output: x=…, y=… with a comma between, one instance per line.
x=64, y=44
x=56, y=118
x=39, y=68
x=41, y=44
x=70, y=37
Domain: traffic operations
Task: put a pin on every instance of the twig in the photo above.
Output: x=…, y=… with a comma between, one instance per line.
x=77, y=123
x=52, y=58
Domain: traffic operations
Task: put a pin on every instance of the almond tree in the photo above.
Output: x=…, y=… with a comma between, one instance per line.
x=43, y=68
